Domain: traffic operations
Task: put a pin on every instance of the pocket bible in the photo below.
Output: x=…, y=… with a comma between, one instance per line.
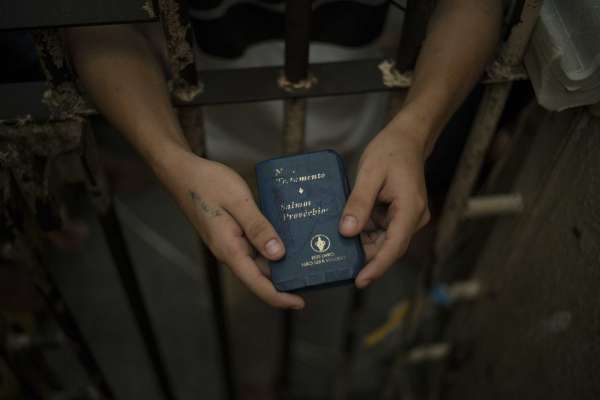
x=303, y=196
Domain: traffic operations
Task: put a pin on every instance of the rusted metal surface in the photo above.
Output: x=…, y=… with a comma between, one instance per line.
x=294, y=126
x=253, y=84
x=61, y=97
x=184, y=83
x=27, y=154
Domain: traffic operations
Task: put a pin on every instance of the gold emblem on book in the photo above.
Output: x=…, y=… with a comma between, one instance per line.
x=320, y=243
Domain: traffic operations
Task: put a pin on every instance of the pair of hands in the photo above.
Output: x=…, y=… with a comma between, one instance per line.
x=386, y=207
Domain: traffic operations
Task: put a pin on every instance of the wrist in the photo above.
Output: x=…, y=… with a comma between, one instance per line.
x=416, y=128
x=170, y=163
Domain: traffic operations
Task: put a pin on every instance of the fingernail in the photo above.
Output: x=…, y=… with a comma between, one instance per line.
x=297, y=307
x=349, y=222
x=273, y=247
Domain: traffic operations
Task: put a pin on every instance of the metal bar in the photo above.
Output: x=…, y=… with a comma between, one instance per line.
x=68, y=325
x=180, y=48
x=21, y=101
x=61, y=98
x=493, y=205
x=217, y=297
x=297, y=39
x=343, y=383
x=298, y=15
x=115, y=239
x=480, y=136
x=36, y=14
x=192, y=124
x=414, y=29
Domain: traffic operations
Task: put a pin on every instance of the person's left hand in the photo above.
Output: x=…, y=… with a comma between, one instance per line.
x=389, y=201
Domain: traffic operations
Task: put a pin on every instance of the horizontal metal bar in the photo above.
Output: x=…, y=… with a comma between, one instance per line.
x=493, y=205
x=35, y=14
x=25, y=100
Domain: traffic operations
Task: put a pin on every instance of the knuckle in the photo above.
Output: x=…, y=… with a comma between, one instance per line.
x=358, y=204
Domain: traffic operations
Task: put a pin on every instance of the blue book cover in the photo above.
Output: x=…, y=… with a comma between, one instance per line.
x=303, y=196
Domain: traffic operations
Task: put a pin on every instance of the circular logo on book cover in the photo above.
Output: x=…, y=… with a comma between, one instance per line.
x=320, y=243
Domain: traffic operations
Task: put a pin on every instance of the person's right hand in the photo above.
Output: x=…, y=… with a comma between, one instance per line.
x=220, y=205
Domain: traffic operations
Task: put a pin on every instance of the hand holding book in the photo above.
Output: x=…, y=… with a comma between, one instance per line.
x=389, y=201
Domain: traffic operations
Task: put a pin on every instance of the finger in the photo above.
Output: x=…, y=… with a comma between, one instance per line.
x=372, y=242
x=403, y=224
x=370, y=226
x=380, y=216
x=248, y=272
x=360, y=203
x=257, y=228
x=263, y=266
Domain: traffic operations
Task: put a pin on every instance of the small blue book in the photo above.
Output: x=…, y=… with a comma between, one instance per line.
x=303, y=196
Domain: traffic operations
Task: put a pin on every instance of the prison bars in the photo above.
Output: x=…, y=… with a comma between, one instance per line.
x=294, y=85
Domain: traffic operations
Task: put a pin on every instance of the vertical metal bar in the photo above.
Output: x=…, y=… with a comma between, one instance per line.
x=62, y=98
x=113, y=233
x=179, y=36
x=343, y=384
x=115, y=239
x=414, y=29
x=68, y=325
x=298, y=15
x=480, y=136
x=185, y=86
x=297, y=39
x=192, y=123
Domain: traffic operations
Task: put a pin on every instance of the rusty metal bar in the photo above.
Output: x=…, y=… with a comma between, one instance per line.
x=179, y=36
x=231, y=86
x=192, y=124
x=481, y=134
x=295, y=78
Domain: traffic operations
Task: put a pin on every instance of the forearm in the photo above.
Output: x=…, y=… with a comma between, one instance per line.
x=125, y=80
x=461, y=40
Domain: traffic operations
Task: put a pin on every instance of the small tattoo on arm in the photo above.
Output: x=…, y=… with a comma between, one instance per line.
x=204, y=206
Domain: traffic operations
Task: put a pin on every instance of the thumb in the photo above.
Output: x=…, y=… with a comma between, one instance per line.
x=258, y=230
x=360, y=203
